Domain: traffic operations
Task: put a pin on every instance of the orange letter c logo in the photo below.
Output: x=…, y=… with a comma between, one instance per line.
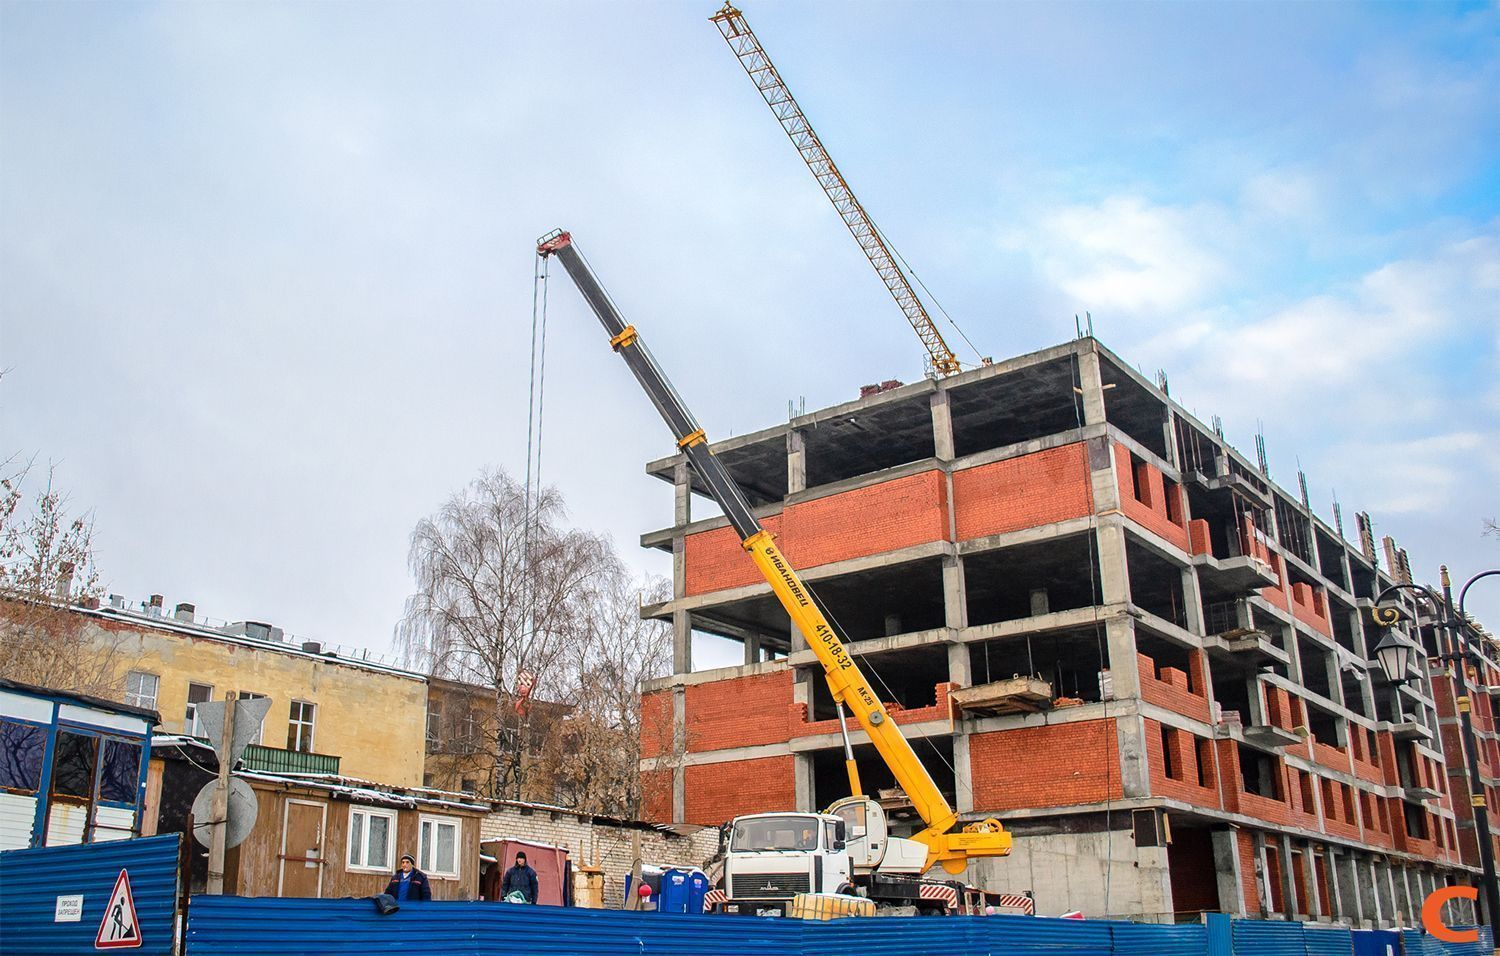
x=1432, y=914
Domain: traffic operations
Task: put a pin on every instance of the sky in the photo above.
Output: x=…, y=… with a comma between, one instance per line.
x=266, y=269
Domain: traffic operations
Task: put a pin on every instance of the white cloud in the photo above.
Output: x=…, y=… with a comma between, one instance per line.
x=1128, y=254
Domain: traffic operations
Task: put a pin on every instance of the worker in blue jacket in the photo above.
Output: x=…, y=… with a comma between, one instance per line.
x=520, y=878
x=409, y=883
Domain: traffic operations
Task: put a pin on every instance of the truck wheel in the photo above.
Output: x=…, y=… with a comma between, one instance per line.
x=845, y=889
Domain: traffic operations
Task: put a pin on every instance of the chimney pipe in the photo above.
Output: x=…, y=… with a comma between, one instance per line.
x=184, y=612
x=64, y=586
x=153, y=606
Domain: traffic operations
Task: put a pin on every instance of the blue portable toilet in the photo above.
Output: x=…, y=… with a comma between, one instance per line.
x=697, y=889
x=676, y=891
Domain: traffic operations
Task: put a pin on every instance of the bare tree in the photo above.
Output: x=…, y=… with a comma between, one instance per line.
x=505, y=596
x=46, y=565
x=593, y=761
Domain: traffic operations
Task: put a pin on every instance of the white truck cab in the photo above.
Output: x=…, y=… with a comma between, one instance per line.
x=774, y=856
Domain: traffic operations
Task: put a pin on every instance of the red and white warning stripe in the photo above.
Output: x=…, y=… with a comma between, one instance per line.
x=934, y=891
x=1019, y=901
x=712, y=897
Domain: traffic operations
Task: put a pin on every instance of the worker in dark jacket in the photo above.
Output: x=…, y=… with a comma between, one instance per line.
x=520, y=878
x=409, y=883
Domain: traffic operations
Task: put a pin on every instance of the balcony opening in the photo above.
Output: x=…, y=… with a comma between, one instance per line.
x=1354, y=697
x=1155, y=584
x=1070, y=660
x=1314, y=668
x=1133, y=408
x=908, y=679
x=830, y=778
x=1165, y=655
x=1260, y=773
x=1325, y=726
x=870, y=439
x=1232, y=694
x=1340, y=615
x=1331, y=560
x=1020, y=406
x=1031, y=580
x=882, y=602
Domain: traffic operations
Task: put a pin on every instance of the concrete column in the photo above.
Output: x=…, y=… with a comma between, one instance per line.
x=1135, y=775
x=1288, y=877
x=1119, y=640
x=1169, y=438
x=1310, y=880
x=960, y=665
x=1092, y=384
x=1228, y=872
x=802, y=782
x=1192, y=599
x=682, y=502
x=682, y=642
x=1365, y=887
x=942, y=426
x=1114, y=573
x=1262, y=882
x=796, y=461
x=963, y=777
x=679, y=748
x=1103, y=482
x=1341, y=873
x=752, y=648
x=955, y=606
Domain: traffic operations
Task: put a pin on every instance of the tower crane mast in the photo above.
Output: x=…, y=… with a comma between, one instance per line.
x=762, y=72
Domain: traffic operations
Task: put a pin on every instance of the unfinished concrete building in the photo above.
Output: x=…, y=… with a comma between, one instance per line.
x=1093, y=618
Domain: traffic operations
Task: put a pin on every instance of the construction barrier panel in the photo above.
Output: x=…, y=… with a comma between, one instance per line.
x=120, y=894
x=1418, y=943
x=239, y=926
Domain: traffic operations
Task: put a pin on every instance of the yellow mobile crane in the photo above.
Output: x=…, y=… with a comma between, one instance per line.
x=942, y=841
x=762, y=72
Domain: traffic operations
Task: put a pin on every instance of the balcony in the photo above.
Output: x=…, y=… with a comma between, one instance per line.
x=275, y=760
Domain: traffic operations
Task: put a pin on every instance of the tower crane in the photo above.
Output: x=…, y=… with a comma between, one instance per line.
x=762, y=72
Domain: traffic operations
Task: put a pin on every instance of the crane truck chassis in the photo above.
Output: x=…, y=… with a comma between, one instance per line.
x=848, y=849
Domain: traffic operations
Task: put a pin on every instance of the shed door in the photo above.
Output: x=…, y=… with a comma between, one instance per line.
x=302, y=832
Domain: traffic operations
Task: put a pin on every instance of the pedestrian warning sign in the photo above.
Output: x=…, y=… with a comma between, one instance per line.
x=119, y=929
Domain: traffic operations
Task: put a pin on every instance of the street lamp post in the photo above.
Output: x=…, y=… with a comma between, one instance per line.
x=1393, y=657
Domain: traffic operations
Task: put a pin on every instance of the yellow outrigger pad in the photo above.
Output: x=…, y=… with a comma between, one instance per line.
x=828, y=906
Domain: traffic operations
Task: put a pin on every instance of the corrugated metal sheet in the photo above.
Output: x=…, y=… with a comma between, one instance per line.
x=239, y=926
x=1414, y=942
x=1328, y=941
x=1187, y=939
x=32, y=880
x=1376, y=942
x=1268, y=938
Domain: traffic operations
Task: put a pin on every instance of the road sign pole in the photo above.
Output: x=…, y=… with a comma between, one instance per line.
x=220, y=811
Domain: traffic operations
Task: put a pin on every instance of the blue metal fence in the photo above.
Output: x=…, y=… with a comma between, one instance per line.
x=38, y=887
x=1417, y=943
x=236, y=926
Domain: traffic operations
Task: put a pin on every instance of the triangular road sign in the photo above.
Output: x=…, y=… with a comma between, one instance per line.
x=119, y=929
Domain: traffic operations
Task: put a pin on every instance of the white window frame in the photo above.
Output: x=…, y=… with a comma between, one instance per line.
x=260, y=732
x=137, y=699
x=425, y=850
x=190, y=721
x=310, y=725
x=364, y=865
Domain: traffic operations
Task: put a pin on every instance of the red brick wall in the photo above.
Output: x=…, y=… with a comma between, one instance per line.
x=742, y=712
x=1081, y=764
x=1173, y=689
x=1248, y=882
x=656, y=796
x=656, y=723
x=718, y=792
x=1310, y=606
x=1199, y=537
x=875, y=519
x=1151, y=510
x=713, y=560
x=894, y=514
x=940, y=709
x=1026, y=492
x=1184, y=782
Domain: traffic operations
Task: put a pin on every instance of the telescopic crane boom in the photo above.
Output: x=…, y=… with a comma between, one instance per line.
x=762, y=72
x=845, y=680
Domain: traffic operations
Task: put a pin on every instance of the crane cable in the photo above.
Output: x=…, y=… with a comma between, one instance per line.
x=913, y=273
x=536, y=393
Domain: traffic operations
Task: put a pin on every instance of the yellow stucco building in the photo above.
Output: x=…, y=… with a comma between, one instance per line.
x=370, y=715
